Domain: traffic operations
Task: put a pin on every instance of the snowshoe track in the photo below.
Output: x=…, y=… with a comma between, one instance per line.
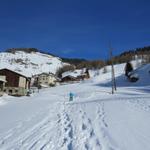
x=108, y=142
x=89, y=138
x=67, y=132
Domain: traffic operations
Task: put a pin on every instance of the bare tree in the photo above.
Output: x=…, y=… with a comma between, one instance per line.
x=64, y=69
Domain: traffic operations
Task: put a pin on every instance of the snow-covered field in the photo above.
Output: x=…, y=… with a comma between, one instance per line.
x=94, y=120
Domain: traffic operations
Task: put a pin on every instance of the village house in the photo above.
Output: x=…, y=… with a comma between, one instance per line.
x=47, y=79
x=76, y=75
x=2, y=84
x=16, y=83
x=69, y=78
x=34, y=81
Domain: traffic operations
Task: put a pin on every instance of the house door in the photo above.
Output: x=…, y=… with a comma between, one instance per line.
x=1, y=86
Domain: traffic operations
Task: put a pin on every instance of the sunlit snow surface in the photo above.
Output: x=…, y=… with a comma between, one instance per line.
x=30, y=63
x=94, y=120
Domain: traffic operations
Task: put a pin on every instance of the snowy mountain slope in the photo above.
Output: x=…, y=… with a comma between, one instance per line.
x=95, y=120
x=30, y=63
x=121, y=80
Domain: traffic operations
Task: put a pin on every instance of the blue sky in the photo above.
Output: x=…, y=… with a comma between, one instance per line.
x=75, y=28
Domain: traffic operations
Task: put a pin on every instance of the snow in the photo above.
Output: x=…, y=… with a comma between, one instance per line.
x=3, y=80
x=94, y=120
x=74, y=73
x=30, y=64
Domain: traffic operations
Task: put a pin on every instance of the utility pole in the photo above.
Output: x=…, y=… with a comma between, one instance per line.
x=112, y=71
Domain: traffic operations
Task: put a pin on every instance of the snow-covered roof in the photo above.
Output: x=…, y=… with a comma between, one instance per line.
x=48, y=74
x=74, y=73
x=21, y=74
x=44, y=85
x=3, y=80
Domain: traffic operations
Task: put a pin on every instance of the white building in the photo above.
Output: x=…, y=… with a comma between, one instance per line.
x=47, y=79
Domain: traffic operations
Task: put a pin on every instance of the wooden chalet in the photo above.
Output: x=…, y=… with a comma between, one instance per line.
x=16, y=83
x=69, y=78
x=76, y=75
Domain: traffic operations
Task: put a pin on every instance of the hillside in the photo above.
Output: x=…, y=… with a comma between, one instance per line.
x=29, y=62
x=121, y=80
x=128, y=55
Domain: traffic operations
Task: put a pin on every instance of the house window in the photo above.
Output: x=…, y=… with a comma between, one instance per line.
x=10, y=91
x=16, y=91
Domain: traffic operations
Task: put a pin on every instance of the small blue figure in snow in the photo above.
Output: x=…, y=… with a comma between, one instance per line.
x=71, y=95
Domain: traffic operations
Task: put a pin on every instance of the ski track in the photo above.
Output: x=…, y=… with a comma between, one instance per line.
x=42, y=136
x=32, y=137
x=37, y=137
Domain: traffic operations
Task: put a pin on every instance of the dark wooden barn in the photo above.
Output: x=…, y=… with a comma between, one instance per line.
x=17, y=84
x=68, y=79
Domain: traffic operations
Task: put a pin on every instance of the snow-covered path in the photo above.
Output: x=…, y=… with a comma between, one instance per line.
x=95, y=120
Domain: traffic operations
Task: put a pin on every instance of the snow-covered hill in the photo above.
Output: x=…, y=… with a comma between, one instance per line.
x=141, y=70
x=30, y=63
